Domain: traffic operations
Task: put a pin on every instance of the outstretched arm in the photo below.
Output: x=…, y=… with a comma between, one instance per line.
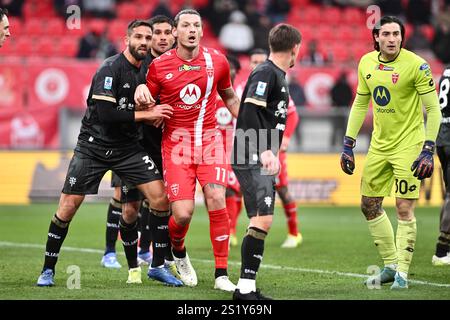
x=231, y=100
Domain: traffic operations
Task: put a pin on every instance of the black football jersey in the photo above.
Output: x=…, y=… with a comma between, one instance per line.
x=443, y=138
x=262, y=115
x=152, y=136
x=115, y=81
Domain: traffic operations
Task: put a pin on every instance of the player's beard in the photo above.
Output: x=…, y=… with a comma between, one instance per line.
x=134, y=52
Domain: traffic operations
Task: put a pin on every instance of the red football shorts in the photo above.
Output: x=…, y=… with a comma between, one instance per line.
x=184, y=166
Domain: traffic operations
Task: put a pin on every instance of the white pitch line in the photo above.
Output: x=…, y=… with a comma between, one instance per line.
x=264, y=266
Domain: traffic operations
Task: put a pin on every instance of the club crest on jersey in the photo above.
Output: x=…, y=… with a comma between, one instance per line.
x=108, y=83
x=190, y=94
x=175, y=188
x=395, y=77
x=261, y=88
x=382, y=67
x=210, y=72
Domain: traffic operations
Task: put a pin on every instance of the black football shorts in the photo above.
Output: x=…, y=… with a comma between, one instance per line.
x=258, y=191
x=88, y=166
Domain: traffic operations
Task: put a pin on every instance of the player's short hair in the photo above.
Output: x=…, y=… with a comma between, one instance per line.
x=283, y=37
x=137, y=23
x=185, y=11
x=383, y=21
x=258, y=51
x=160, y=19
x=3, y=12
x=234, y=61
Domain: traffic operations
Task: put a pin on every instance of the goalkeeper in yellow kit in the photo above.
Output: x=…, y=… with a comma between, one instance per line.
x=401, y=149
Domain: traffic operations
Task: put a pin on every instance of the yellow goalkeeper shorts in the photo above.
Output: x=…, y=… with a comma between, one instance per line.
x=387, y=174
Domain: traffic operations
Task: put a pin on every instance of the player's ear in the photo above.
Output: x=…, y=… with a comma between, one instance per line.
x=174, y=32
x=127, y=40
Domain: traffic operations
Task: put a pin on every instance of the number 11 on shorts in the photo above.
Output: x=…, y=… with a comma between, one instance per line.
x=221, y=174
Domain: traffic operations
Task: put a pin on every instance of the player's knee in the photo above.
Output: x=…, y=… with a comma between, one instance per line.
x=183, y=218
x=371, y=207
x=405, y=209
x=68, y=206
x=160, y=201
x=130, y=211
x=215, y=199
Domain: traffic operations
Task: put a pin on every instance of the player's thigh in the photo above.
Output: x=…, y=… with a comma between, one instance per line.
x=377, y=176
x=135, y=167
x=155, y=192
x=406, y=185
x=258, y=191
x=115, y=180
x=282, y=177
x=84, y=173
x=444, y=157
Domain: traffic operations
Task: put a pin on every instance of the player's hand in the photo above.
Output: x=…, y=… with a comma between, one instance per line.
x=424, y=164
x=347, y=157
x=158, y=112
x=284, y=144
x=142, y=96
x=270, y=163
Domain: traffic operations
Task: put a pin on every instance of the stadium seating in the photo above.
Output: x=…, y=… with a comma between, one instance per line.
x=336, y=29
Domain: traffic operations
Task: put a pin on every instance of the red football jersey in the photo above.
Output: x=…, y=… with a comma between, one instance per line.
x=190, y=87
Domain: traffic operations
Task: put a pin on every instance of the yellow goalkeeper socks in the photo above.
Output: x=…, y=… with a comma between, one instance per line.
x=406, y=240
x=383, y=237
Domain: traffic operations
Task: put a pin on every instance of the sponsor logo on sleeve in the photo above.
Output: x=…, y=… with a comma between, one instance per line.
x=424, y=66
x=108, y=83
x=261, y=88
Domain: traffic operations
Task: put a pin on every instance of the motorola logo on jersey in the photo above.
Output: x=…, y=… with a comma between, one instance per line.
x=381, y=96
x=190, y=94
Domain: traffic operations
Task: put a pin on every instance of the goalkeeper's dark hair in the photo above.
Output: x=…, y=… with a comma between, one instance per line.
x=137, y=23
x=234, y=61
x=160, y=19
x=258, y=51
x=3, y=12
x=283, y=37
x=185, y=11
x=383, y=21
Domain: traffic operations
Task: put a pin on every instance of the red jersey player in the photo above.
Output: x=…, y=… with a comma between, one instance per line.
x=189, y=78
x=226, y=124
x=294, y=238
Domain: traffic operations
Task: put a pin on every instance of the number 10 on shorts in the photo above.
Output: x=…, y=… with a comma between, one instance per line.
x=221, y=174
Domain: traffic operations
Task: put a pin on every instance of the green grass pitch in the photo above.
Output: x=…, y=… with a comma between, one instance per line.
x=330, y=264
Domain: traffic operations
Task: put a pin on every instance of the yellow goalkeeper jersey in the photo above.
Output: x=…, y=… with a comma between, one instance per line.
x=395, y=88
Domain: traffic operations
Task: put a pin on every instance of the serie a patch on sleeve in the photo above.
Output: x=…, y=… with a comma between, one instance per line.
x=108, y=83
x=261, y=88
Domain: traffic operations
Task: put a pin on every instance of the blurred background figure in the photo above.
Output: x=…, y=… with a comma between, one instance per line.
x=236, y=36
x=341, y=98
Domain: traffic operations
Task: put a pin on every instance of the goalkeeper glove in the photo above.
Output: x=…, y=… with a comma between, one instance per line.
x=424, y=164
x=347, y=157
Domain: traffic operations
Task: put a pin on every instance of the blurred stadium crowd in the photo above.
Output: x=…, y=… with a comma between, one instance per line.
x=335, y=36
